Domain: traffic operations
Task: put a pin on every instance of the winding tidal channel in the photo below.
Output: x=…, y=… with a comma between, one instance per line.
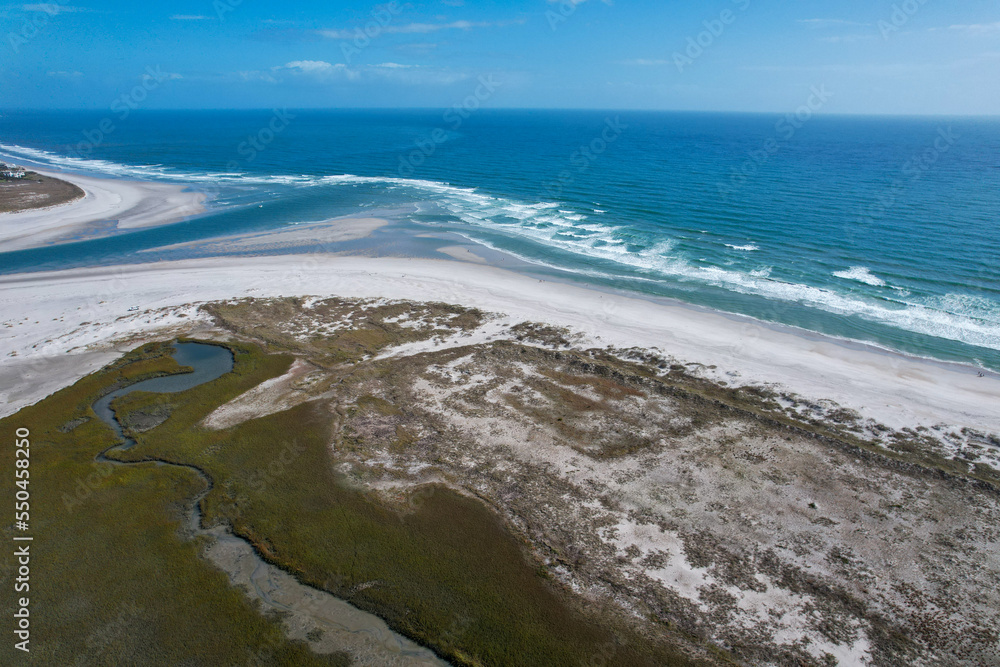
x=343, y=627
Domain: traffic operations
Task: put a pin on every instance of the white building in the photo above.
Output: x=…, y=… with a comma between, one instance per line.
x=11, y=171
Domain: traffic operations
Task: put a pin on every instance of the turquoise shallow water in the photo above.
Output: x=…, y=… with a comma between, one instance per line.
x=884, y=230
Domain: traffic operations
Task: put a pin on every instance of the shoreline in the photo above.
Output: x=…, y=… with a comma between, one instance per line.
x=125, y=204
x=55, y=339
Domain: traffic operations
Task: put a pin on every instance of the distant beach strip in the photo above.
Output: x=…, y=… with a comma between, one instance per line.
x=27, y=190
x=66, y=207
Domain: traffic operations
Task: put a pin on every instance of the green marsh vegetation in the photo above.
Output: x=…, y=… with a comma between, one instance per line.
x=121, y=583
x=112, y=580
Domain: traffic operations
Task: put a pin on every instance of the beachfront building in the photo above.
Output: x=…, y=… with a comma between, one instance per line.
x=11, y=171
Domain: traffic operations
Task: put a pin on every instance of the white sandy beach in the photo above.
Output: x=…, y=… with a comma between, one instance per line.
x=131, y=204
x=60, y=326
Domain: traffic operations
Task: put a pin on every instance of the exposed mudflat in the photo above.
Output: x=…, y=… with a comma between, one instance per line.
x=327, y=624
x=783, y=532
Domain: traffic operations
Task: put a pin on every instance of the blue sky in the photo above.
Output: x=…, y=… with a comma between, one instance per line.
x=871, y=56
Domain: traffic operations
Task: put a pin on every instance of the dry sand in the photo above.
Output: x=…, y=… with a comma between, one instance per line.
x=132, y=204
x=61, y=326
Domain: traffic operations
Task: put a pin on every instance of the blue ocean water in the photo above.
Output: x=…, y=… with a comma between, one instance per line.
x=882, y=230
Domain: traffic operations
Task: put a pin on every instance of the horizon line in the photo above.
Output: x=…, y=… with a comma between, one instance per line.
x=856, y=114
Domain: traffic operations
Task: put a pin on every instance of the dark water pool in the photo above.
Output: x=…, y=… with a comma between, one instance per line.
x=208, y=361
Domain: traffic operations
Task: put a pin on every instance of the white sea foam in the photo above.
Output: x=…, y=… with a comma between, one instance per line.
x=153, y=172
x=747, y=248
x=955, y=319
x=861, y=274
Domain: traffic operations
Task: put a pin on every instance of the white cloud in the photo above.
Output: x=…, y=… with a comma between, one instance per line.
x=643, y=62
x=423, y=28
x=418, y=28
x=53, y=9
x=66, y=75
x=308, y=65
x=977, y=27
x=336, y=34
x=318, y=68
x=321, y=72
x=189, y=17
